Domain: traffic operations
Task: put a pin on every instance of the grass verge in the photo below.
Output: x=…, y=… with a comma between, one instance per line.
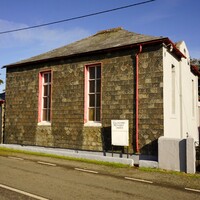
x=168, y=172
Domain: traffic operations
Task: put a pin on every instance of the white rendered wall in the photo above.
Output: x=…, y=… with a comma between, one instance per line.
x=185, y=120
x=171, y=121
x=190, y=115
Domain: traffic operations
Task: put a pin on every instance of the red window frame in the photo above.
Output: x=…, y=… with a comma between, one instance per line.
x=45, y=94
x=93, y=78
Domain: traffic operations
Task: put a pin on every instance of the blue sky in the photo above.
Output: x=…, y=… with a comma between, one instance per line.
x=176, y=19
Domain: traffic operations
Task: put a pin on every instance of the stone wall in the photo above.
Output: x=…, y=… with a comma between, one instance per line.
x=67, y=128
x=2, y=121
x=150, y=99
x=21, y=105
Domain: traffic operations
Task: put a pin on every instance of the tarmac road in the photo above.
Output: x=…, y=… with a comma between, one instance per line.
x=33, y=177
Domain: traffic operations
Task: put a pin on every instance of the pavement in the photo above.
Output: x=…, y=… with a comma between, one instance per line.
x=91, y=155
x=142, y=161
x=163, y=178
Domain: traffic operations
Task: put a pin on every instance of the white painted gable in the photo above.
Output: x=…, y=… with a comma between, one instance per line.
x=180, y=93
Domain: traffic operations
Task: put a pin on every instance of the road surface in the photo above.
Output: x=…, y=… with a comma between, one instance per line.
x=31, y=179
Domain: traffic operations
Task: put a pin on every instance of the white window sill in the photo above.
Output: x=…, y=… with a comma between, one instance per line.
x=91, y=123
x=44, y=123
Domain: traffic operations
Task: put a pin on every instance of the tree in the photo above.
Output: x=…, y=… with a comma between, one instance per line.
x=195, y=61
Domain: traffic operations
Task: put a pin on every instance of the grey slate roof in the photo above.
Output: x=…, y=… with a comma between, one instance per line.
x=116, y=37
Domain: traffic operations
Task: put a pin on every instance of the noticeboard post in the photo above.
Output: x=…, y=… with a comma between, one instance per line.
x=120, y=133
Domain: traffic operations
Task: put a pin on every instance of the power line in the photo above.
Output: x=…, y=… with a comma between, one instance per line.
x=75, y=18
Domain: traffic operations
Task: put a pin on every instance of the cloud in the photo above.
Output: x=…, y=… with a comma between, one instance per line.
x=20, y=45
x=43, y=37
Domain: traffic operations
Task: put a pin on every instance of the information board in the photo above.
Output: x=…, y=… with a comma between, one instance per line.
x=120, y=132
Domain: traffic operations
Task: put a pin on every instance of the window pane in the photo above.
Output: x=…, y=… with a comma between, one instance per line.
x=46, y=96
x=98, y=86
x=45, y=90
x=98, y=100
x=92, y=87
x=91, y=114
x=48, y=115
x=94, y=93
x=92, y=72
x=44, y=102
x=46, y=78
x=49, y=91
x=44, y=115
x=98, y=72
x=98, y=114
x=49, y=78
x=91, y=100
x=49, y=103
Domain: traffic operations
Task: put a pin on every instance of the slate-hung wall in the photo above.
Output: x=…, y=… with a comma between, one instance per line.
x=151, y=116
x=67, y=129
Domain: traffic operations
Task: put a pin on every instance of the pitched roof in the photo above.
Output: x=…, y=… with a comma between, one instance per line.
x=107, y=39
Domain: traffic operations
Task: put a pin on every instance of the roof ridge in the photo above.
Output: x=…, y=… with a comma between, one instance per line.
x=109, y=30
